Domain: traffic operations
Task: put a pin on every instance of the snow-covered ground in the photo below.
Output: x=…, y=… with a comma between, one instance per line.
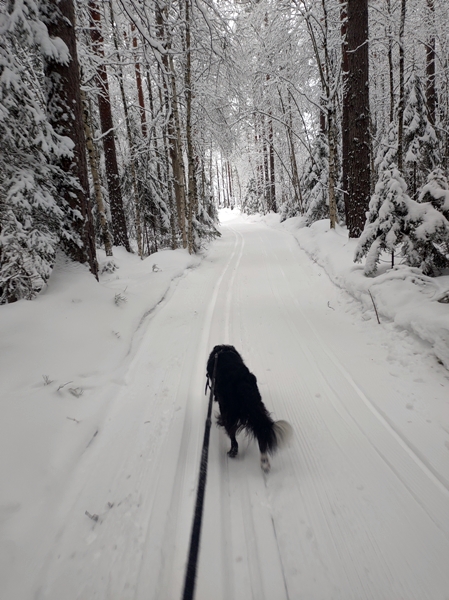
x=102, y=416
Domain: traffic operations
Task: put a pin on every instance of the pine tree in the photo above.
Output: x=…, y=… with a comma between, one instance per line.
x=314, y=182
x=420, y=140
x=387, y=151
x=428, y=246
x=34, y=218
x=385, y=228
x=253, y=201
x=436, y=191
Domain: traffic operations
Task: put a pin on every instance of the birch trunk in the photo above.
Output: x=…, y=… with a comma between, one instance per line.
x=93, y=163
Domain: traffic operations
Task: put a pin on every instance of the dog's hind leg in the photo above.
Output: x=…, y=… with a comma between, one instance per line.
x=265, y=463
x=264, y=460
x=234, y=445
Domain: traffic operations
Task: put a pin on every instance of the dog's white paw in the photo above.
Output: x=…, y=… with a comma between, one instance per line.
x=265, y=463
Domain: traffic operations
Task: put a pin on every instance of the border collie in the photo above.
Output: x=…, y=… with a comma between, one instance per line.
x=241, y=405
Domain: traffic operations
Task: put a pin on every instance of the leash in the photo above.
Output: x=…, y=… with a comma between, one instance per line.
x=190, y=577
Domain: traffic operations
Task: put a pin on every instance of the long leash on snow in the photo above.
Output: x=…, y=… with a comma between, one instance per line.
x=190, y=577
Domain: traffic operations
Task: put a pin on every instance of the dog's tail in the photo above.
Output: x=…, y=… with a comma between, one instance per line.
x=283, y=432
x=273, y=435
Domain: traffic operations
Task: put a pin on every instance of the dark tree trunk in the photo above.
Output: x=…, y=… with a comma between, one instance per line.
x=390, y=64
x=119, y=228
x=231, y=190
x=66, y=116
x=345, y=107
x=273, y=204
x=173, y=122
x=401, y=106
x=143, y=120
x=356, y=154
x=430, y=65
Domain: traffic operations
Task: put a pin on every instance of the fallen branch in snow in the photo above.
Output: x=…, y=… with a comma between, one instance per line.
x=375, y=308
x=72, y=419
x=95, y=518
x=328, y=303
x=92, y=439
x=47, y=379
x=63, y=385
x=76, y=391
x=120, y=299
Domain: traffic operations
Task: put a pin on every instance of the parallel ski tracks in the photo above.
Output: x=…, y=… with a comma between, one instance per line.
x=263, y=538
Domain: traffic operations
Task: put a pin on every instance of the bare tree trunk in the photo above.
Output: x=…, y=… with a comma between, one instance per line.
x=93, y=162
x=431, y=95
x=345, y=119
x=143, y=120
x=224, y=180
x=231, y=190
x=63, y=99
x=333, y=217
x=390, y=63
x=295, y=175
x=273, y=205
x=192, y=190
x=218, y=183
x=356, y=154
x=291, y=148
x=266, y=168
x=119, y=75
x=173, y=126
x=119, y=228
x=259, y=155
x=166, y=141
x=401, y=106
x=177, y=159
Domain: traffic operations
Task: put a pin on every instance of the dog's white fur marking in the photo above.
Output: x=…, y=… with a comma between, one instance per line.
x=265, y=463
x=284, y=432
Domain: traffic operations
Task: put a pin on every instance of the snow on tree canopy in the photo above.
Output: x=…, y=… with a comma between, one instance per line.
x=32, y=216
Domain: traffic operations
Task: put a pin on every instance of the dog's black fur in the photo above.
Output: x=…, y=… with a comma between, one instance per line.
x=241, y=405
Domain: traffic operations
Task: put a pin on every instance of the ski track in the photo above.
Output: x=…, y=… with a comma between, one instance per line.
x=350, y=509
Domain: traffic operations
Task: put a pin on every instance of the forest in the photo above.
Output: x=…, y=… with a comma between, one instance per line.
x=131, y=122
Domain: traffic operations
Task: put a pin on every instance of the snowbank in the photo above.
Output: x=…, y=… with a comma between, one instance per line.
x=402, y=295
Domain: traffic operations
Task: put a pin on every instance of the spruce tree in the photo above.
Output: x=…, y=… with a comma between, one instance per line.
x=315, y=184
x=253, y=201
x=420, y=140
x=385, y=227
x=428, y=247
x=34, y=218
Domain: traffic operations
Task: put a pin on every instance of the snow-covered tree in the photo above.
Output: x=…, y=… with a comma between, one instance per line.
x=385, y=227
x=253, y=201
x=428, y=247
x=33, y=218
x=387, y=149
x=427, y=244
x=420, y=140
x=436, y=191
x=398, y=224
x=314, y=182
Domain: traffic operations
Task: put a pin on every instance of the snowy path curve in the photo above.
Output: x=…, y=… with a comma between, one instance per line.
x=351, y=509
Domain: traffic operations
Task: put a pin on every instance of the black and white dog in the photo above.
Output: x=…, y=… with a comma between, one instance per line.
x=241, y=405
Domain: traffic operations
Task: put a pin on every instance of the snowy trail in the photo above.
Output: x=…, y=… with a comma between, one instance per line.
x=351, y=509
